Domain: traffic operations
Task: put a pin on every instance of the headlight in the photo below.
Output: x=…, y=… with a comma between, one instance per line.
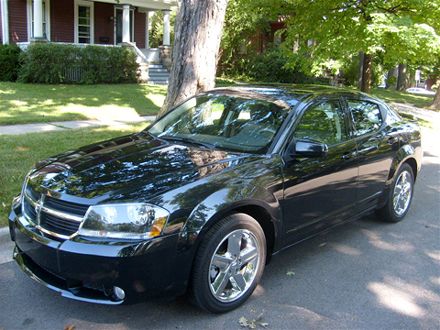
x=131, y=220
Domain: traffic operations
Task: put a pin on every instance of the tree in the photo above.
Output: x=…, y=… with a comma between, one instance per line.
x=198, y=29
x=327, y=34
x=436, y=103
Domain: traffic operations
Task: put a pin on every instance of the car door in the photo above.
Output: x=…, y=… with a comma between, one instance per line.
x=376, y=147
x=320, y=191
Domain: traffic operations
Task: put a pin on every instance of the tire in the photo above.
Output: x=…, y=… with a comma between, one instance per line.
x=403, y=186
x=225, y=274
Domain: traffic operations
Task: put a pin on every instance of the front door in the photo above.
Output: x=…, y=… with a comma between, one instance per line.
x=118, y=26
x=321, y=191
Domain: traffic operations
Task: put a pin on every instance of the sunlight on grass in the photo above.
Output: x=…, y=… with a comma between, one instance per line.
x=388, y=95
x=18, y=153
x=34, y=103
x=108, y=112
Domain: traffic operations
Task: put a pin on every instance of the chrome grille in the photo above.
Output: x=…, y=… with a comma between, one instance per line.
x=52, y=216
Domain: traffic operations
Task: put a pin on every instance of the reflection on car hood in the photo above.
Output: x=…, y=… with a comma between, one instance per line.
x=129, y=163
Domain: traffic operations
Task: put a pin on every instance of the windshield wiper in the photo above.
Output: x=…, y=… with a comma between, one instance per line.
x=187, y=140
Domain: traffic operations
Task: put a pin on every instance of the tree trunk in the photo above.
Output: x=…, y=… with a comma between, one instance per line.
x=198, y=30
x=401, y=77
x=361, y=69
x=436, y=103
x=367, y=67
x=389, y=82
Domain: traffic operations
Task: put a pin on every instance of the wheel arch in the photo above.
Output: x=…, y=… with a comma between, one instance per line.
x=262, y=213
x=409, y=155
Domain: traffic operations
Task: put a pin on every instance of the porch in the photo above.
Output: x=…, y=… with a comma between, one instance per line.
x=86, y=22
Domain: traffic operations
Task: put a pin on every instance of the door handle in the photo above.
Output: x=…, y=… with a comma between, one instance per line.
x=392, y=140
x=348, y=155
x=368, y=149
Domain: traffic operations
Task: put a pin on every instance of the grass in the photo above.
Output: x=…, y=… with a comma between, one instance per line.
x=388, y=95
x=36, y=103
x=419, y=101
x=18, y=153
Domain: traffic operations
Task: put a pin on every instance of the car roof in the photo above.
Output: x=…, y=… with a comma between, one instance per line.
x=290, y=94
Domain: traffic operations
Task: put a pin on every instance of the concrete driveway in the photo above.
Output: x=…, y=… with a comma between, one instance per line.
x=366, y=274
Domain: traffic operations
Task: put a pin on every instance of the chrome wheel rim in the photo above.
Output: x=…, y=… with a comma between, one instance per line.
x=234, y=265
x=402, y=193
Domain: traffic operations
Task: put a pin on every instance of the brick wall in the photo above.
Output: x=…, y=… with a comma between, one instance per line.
x=17, y=21
x=139, y=29
x=104, y=25
x=61, y=20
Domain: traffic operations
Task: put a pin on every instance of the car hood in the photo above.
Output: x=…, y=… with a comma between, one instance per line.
x=117, y=167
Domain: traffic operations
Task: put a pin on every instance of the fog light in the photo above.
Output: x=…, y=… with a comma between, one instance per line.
x=118, y=293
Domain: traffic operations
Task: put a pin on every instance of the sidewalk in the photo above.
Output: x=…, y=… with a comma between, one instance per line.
x=430, y=116
x=65, y=125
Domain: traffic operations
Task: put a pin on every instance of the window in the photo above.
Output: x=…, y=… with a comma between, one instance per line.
x=46, y=19
x=323, y=123
x=366, y=116
x=84, y=22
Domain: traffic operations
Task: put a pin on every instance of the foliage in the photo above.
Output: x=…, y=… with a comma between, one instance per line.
x=18, y=153
x=340, y=29
x=324, y=37
x=35, y=103
x=242, y=21
x=9, y=62
x=57, y=63
x=271, y=66
x=156, y=30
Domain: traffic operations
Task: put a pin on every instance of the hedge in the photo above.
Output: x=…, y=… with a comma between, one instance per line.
x=58, y=63
x=9, y=62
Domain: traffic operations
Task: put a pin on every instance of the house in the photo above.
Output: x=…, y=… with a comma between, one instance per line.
x=86, y=22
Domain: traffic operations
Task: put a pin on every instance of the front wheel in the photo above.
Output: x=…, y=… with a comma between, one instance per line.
x=229, y=263
x=400, y=197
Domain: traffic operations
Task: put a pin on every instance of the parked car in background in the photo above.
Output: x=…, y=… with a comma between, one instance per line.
x=199, y=201
x=420, y=91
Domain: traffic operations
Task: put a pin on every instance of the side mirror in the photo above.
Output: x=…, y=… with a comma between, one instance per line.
x=304, y=148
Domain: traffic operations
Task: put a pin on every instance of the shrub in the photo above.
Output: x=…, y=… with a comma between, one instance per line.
x=270, y=66
x=9, y=62
x=57, y=63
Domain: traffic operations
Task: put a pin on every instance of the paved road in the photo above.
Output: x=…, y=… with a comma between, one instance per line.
x=363, y=275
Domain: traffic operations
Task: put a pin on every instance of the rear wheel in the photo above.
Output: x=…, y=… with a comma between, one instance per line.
x=400, y=197
x=228, y=264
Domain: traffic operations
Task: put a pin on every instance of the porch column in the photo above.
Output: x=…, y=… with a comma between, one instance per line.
x=126, y=23
x=147, y=29
x=166, y=28
x=5, y=21
x=38, y=19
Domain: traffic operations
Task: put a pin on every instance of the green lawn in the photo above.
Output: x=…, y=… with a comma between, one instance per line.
x=418, y=101
x=18, y=153
x=387, y=95
x=32, y=103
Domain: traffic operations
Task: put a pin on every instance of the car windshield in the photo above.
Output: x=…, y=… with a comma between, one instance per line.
x=223, y=121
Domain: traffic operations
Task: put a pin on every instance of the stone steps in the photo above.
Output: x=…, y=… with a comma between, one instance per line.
x=158, y=74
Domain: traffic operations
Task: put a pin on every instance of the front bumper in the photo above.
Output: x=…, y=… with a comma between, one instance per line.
x=88, y=270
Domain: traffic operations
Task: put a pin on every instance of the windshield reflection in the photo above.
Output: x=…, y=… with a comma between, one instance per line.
x=223, y=121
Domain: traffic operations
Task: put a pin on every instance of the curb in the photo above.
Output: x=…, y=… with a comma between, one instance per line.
x=4, y=235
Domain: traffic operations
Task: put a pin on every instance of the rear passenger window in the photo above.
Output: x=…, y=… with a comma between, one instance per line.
x=366, y=116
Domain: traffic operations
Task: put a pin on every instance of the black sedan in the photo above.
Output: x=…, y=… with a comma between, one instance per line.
x=199, y=201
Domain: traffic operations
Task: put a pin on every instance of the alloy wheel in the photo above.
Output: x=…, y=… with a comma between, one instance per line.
x=402, y=193
x=234, y=265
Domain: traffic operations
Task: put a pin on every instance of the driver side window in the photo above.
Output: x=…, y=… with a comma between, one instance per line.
x=324, y=123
